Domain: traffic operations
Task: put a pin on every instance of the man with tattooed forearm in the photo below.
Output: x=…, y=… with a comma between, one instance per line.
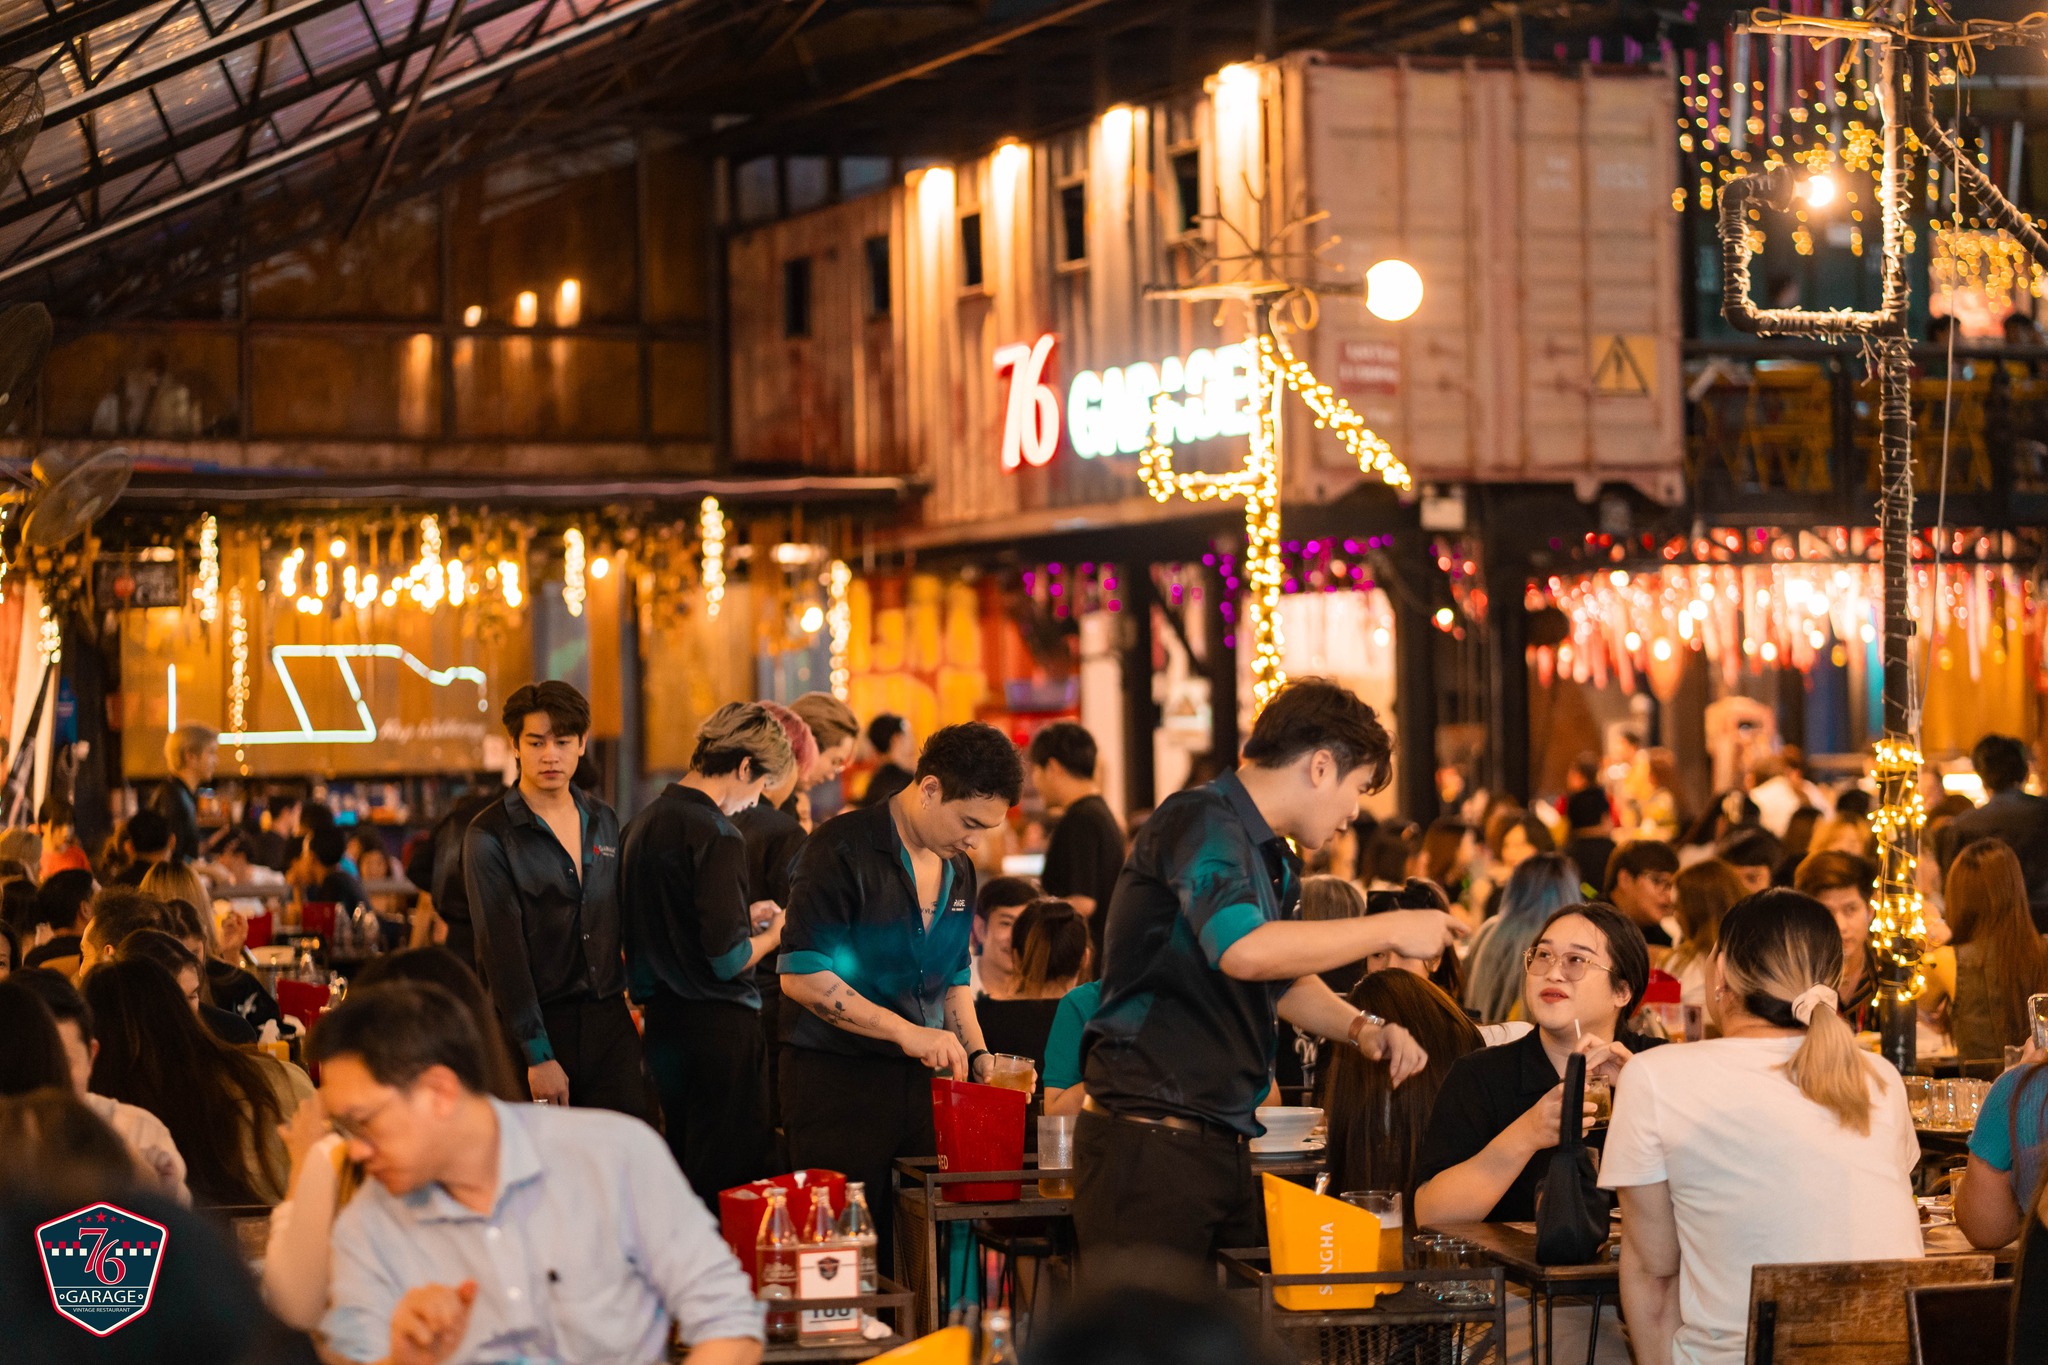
x=874, y=951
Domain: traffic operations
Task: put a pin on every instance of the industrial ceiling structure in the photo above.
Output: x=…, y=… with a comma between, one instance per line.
x=183, y=139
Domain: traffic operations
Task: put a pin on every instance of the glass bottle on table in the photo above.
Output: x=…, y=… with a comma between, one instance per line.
x=775, y=1265
x=996, y=1346
x=857, y=1226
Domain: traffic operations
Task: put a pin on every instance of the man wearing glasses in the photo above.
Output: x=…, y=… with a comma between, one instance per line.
x=494, y=1231
x=1499, y=1111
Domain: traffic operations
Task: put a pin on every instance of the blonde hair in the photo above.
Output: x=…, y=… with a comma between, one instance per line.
x=176, y=882
x=740, y=731
x=831, y=720
x=187, y=740
x=1775, y=946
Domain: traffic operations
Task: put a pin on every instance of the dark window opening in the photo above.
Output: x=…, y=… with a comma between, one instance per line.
x=1074, y=223
x=970, y=251
x=796, y=297
x=878, y=276
x=1187, y=178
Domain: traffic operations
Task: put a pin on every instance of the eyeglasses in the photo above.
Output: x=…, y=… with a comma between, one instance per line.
x=358, y=1129
x=1540, y=962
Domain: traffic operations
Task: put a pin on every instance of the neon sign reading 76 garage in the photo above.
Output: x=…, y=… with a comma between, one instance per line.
x=1202, y=395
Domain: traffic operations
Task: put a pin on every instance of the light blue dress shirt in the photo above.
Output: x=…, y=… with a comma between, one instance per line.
x=594, y=1246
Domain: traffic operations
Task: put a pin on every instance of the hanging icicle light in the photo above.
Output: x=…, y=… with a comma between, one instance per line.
x=508, y=582
x=711, y=527
x=574, y=590
x=206, y=588
x=50, y=636
x=839, y=623
x=238, y=673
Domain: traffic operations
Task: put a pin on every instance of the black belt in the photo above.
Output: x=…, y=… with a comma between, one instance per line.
x=1177, y=1122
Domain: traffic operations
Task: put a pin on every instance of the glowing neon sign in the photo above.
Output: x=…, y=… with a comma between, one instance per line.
x=1207, y=393
x=340, y=654
x=1031, y=419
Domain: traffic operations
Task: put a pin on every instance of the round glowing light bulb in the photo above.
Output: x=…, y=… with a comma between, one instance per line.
x=336, y=548
x=600, y=566
x=1393, y=290
x=813, y=619
x=1820, y=191
x=1444, y=617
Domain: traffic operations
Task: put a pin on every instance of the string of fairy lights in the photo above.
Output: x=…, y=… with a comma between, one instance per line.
x=1779, y=101
x=1257, y=483
x=424, y=564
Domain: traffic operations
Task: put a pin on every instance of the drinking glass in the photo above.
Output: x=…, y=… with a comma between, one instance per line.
x=1600, y=1094
x=1011, y=1072
x=2013, y=1054
x=1920, y=1100
x=1463, y=1255
x=1056, y=1153
x=1942, y=1112
x=1386, y=1206
x=1695, y=1023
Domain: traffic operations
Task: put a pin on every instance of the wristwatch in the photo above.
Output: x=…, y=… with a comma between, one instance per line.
x=978, y=1052
x=1364, y=1020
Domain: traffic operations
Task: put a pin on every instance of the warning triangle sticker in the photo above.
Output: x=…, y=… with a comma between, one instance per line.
x=1622, y=370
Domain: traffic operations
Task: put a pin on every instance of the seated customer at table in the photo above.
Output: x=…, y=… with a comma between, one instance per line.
x=1052, y=950
x=532, y=1231
x=1498, y=1113
x=1779, y=1142
x=1377, y=1127
x=2005, y=1155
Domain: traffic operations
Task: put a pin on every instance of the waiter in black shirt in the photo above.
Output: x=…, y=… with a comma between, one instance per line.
x=775, y=835
x=541, y=865
x=192, y=751
x=1087, y=848
x=691, y=946
x=875, y=952
x=1207, y=952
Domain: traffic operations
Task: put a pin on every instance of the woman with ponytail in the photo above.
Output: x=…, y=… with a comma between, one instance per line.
x=1778, y=1142
x=1053, y=954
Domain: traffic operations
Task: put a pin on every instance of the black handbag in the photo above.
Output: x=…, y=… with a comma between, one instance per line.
x=1571, y=1208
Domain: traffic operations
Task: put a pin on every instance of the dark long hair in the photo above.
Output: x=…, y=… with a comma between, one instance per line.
x=1376, y=1128
x=1418, y=893
x=438, y=967
x=1986, y=895
x=154, y=1054
x=1052, y=945
x=34, y=1054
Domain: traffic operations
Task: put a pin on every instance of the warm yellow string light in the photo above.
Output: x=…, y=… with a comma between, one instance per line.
x=1258, y=484
x=711, y=526
x=839, y=623
x=50, y=636
x=574, y=590
x=508, y=582
x=1898, y=923
x=238, y=671
x=206, y=591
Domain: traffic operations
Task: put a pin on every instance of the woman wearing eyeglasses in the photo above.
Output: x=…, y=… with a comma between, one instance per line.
x=1499, y=1109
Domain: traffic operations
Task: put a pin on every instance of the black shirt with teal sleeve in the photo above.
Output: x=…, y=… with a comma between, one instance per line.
x=853, y=911
x=683, y=902
x=1175, y=1036
x=544, y=935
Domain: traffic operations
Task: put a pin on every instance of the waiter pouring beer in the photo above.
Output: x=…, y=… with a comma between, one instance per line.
x=1204, y=953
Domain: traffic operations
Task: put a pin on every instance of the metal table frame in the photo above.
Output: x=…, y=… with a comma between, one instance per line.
x=1249, y=1268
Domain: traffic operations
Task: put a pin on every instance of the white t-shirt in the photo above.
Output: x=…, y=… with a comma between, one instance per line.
x=1759, y=1175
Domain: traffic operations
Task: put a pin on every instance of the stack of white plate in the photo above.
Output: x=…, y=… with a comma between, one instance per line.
x=1287, y=1128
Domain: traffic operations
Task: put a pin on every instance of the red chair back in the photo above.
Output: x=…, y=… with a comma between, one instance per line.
x=303, y=1000
x=259, y=930
x=317, y=917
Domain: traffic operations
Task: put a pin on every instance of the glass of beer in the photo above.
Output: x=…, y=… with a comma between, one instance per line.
x=1011, y=1072
x=1386, y=1206
x=1056, y=1153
